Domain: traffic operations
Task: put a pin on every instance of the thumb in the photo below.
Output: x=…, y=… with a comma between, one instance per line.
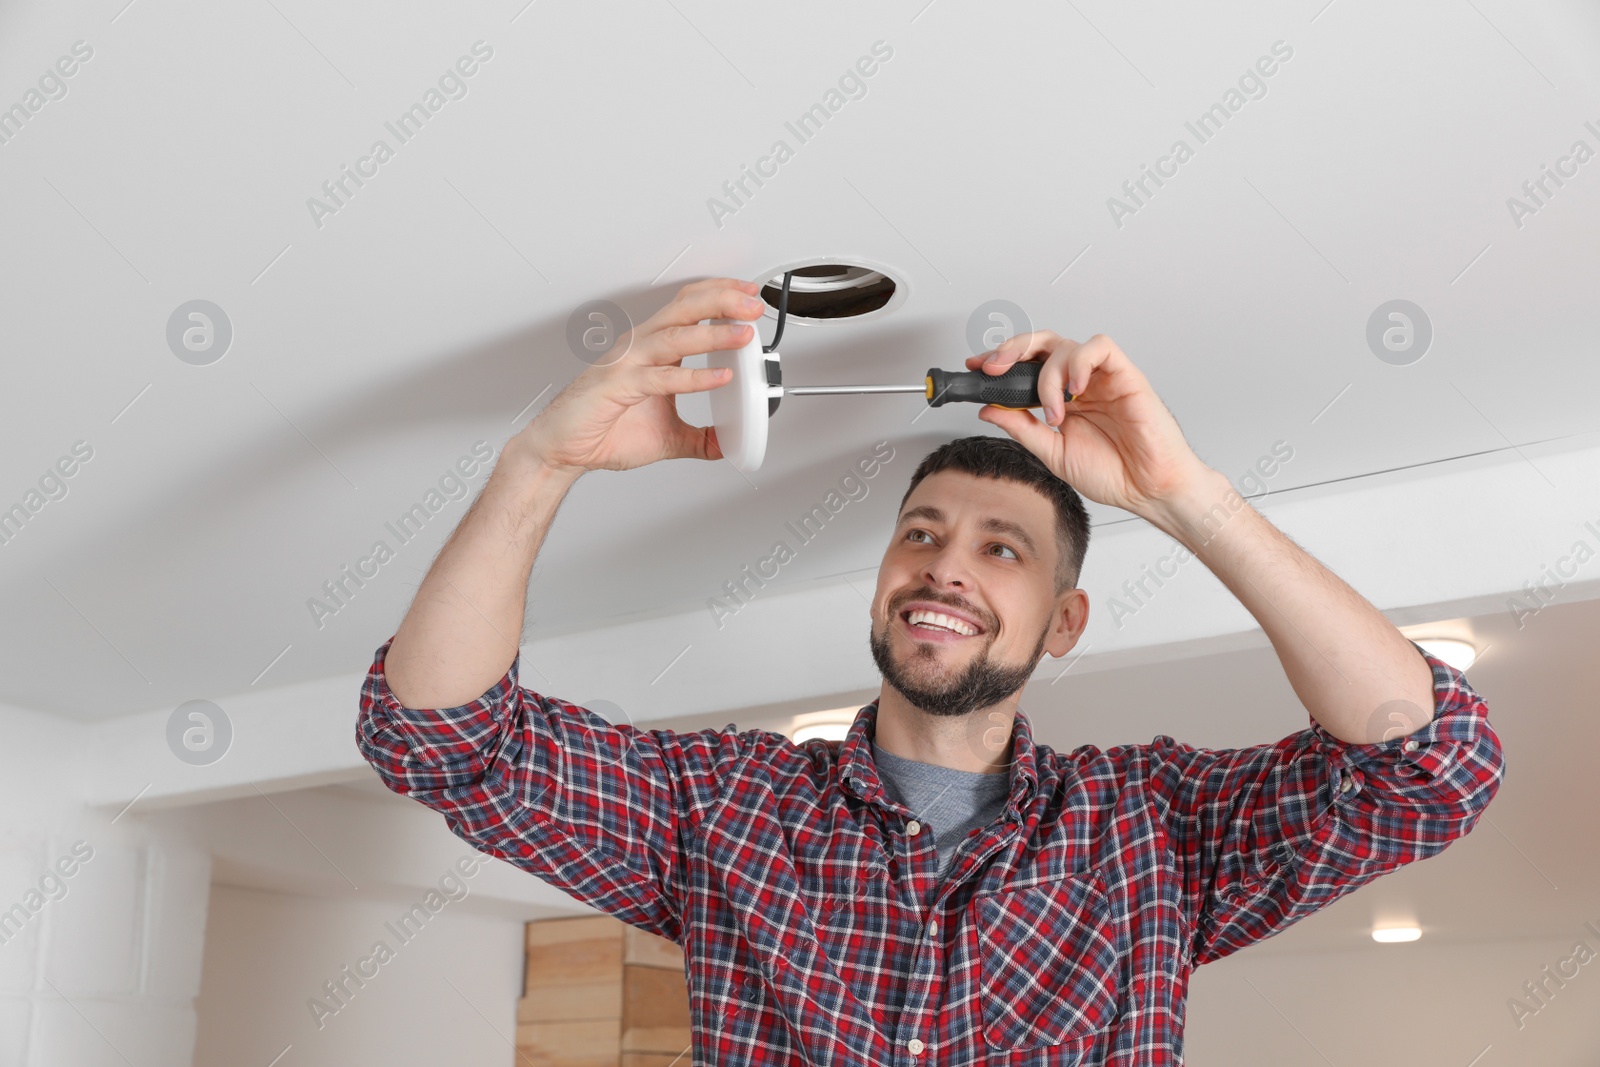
x=695, y=442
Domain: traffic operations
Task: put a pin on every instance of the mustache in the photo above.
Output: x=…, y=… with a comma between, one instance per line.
x=936, y=598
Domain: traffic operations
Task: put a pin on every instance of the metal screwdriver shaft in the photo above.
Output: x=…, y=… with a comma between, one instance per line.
x=1017, y=388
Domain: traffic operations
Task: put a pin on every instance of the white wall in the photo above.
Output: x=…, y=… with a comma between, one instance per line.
x=267, y=954
x=1395, y=1006
x=1385, y=1006
x=101, y=916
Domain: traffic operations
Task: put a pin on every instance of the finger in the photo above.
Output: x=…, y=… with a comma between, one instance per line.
x=694, y=442
x=1023, y=346
x=725, y=298
x=1056, y=350
x=1100, y=358
x=670, y=381
x=999, y=359
x=673, y=343
x=752, y=288
x=1052, y=383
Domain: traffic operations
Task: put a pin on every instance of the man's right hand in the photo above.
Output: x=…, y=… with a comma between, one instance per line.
x=622, y=415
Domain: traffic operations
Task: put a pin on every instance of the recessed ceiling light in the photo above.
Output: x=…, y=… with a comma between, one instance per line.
x=1459, y=654
x=831, y=725
x=1391, y=934
x=828, y=731
x=833, y=291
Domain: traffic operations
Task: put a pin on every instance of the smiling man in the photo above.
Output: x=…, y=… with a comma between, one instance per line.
x=936, y=888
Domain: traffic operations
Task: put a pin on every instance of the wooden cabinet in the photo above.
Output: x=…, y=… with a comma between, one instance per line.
x=600, y=993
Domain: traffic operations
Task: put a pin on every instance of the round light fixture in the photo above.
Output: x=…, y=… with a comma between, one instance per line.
x=828, y=731
x=831, y=725
x=1459, y=654
x=1395, y=934
x=833, y=291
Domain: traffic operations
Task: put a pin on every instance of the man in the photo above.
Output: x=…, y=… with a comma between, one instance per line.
x=936, y=889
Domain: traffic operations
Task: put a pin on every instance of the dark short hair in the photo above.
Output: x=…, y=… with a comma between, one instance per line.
x=1002, y=457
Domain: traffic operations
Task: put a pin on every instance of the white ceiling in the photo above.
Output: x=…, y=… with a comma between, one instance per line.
x=370, y=353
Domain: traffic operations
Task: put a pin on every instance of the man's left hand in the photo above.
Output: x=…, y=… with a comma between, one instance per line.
x=1115, y=442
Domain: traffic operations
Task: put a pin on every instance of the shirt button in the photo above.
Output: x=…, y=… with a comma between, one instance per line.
x=1411, y=746
x=913, y=828
x=915, y=1046
x=1349, y=784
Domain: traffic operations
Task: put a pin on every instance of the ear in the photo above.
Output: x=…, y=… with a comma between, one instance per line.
x=1068, y=623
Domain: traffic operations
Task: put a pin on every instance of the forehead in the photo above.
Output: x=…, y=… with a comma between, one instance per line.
x=958, y=497
x=951, y=487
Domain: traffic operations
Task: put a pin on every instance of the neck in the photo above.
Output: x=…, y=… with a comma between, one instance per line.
x=978, y=741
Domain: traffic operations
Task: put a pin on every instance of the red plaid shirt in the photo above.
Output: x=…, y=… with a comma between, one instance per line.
x=814, y=927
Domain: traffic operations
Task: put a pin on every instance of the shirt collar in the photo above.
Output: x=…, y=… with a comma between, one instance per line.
x=858, y=773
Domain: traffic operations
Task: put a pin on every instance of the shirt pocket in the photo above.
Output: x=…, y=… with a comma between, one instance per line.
x=1049, y=967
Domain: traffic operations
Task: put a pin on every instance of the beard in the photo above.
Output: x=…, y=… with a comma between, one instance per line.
x=981, y=684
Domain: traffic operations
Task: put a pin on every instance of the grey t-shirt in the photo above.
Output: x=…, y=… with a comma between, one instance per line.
x=952, y=803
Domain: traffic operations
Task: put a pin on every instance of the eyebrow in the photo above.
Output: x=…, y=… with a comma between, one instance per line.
x=989, y=522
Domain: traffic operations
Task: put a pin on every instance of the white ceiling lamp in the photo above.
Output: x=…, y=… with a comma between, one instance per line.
x=1394, y=934
x=829, y=725
x=1459, y=654
x=814, y=293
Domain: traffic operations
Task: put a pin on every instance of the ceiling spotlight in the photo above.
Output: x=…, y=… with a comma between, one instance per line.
x=830, y=292
x=1393, y=934
x=829, y=725
x=828, y=731
x=1459, y=654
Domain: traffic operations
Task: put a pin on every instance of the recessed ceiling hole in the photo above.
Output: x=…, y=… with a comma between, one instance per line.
x=831, y=291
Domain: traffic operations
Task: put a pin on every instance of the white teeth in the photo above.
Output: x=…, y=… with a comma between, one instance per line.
x=947, y=622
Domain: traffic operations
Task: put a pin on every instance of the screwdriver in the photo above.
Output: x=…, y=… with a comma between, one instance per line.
x=1017, y=388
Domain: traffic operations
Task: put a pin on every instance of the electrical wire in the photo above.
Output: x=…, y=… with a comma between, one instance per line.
x=783, y=314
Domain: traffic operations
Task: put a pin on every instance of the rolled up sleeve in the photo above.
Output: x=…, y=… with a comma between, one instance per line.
x=1266, y=835
x=598, y=810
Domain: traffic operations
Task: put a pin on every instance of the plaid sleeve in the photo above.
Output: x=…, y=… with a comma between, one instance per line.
x=1266, y=835
x=602, y=812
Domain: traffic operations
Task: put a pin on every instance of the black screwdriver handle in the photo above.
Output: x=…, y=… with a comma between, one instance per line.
x=1017, y=388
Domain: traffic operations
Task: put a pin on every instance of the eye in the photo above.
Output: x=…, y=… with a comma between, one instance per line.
x=910, y=535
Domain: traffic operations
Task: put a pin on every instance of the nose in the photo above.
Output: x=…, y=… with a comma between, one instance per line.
x=946, y=568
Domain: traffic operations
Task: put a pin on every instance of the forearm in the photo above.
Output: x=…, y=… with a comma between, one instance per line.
x=463, y=629
x=1344, y=659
